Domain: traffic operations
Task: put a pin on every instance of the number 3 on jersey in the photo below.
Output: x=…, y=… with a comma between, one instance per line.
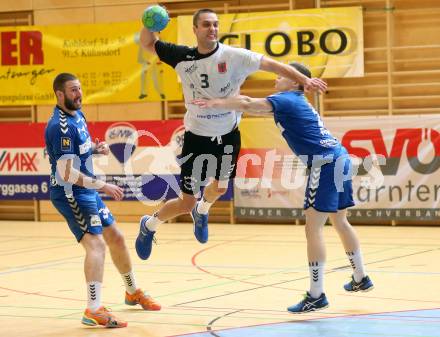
x=204, y=79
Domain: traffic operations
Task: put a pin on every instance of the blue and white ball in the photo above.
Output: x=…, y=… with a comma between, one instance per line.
x=155, y=18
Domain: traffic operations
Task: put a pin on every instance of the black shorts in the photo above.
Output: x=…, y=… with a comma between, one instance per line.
x=203, y=158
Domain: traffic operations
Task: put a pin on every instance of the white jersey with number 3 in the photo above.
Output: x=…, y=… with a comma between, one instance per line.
x=218, y=74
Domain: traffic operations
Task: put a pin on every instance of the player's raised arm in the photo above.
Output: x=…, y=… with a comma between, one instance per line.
x=147, y=40
x=257, y=106
x=154, y=19
x=284, y=70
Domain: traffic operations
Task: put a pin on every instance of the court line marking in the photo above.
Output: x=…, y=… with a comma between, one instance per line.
x=187, y=290
x=317, y=318
x=283, y=282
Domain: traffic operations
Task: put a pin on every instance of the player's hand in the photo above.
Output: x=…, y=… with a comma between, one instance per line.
x=113, y=191
x=203, y=103
x=315, y=84
x=101, y=147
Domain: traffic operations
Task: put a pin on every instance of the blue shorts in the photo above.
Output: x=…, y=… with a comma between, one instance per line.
x=84, y=212
x=329, y=187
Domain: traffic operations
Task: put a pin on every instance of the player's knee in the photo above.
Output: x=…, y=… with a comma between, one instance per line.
x=95, y=246
x=312, y=229
x=99, y=245
x=309, y=231
x=341, y=224
x=187, y=205
x=116, y=240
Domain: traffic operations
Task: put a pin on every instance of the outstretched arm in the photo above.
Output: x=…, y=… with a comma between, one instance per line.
x=71, y=175
x=148, y=39
x=255, y=106
x=284, y=70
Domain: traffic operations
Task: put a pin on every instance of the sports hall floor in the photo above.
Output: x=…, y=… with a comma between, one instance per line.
x=238, y=284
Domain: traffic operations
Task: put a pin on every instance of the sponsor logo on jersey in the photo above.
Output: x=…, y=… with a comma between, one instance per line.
x=66, y=144
x=82, y=129
x=225, y=88
x=105, y=212
x=53, y=180
x=84, y=148
x=192, y=68
x=221, y=67
x=215, y=116
x=329, y=142
x=95, y=221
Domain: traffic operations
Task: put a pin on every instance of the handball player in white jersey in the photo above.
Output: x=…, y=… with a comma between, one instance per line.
x=212, y=138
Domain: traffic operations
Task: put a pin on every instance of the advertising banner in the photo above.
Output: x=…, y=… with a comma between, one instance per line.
x=142, y=159
x=112, y=67
x=328, y=40
x=108, y=60
x=396, y=165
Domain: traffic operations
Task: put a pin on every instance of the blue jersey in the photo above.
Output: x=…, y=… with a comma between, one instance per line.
x=302, y=127
x=67, y=136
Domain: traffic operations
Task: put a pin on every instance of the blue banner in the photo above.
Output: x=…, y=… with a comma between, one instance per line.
x=136, y=187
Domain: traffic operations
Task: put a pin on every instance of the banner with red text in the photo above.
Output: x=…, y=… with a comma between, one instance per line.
x=142, y=159
x=396, y=161
x=107, y=59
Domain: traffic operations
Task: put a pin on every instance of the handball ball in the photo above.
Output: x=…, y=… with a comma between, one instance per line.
x=155, y=18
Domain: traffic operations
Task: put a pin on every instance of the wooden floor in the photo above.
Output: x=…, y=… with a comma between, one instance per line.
x=243, y=278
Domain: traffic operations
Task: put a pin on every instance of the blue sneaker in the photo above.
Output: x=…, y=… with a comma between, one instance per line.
x=309, y=304
x=200, y=225
x=144, y=241
x=364, y=285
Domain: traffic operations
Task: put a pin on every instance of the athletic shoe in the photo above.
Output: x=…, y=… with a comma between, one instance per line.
x=145, y=238
x=364, y=285
x=139, y=297
x=309, y=304
x=200, y=225
x=102, y=316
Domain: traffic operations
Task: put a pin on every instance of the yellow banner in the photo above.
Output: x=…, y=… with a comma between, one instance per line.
x=113, y=68
x=251, y=127
x=107, y=59
x=328, y=40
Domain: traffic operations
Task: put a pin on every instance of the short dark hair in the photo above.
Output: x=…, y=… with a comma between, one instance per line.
x=61, y=79
x=201, y=11
x=302, y=69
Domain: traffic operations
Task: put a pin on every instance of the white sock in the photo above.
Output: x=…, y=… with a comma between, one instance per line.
x=316, y=271
x=93, y=295
x=129, y=282
x=153, y=222
x=357, y=264
x=203, y=206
